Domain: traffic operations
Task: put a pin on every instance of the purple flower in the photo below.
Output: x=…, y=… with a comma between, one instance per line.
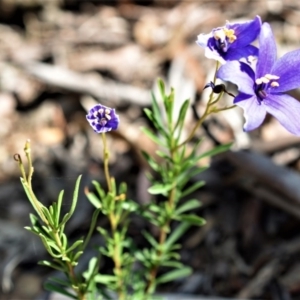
x=232, y=41
x=102, y=118
x=262, y=91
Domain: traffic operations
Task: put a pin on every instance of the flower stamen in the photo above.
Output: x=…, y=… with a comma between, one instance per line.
x=230, y=35
x=267, y=79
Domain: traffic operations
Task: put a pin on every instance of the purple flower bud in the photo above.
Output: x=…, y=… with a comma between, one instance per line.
x=102, y=118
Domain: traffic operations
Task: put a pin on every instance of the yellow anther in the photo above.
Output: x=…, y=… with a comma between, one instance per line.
x=107, y=111
x=229, y=33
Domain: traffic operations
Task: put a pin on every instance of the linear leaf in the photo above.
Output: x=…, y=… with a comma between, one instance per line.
x=153, y=164
x=59, y=204
x=160, y=188
x=192, y=219
x=105, y=278
x=215, y=151
x=192, y=188
x=175, y=274
x=54, y=288
x=74, y=202
x=152, y=136
x=176, y=234
x=94, y=200
x=189, y=205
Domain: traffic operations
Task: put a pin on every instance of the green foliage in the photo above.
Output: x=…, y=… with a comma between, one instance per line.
x=171, y=210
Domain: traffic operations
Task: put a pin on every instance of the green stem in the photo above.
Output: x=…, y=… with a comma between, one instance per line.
x=205, y=114
x=225, y=108
x=70, y=272
x=27, y=151
x=165, y=228
x=106, y=161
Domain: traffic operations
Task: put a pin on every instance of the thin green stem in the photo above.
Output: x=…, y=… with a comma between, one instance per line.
x=37, y=204
x=205, y=114
x=27, y=151
x=114, y=222
x=18, y=159
x=28, y=179
x=166, y=227
x=106, y=161
x=70, y=272
x=225, y=108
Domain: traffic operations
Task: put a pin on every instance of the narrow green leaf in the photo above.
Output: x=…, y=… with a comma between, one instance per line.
x=192, y=219
x=64, y=240
x=160, y=188
x=175, y=274
x=123, y=188
x=189, y=205
x=60, y=281
x=157, y=117
x=130, y=205
x=187, y=175
x=164, y=156
x=93, y=265
x=54, y=288
x=139, y=256
x=161, y=87
x=192, y=188
x=74, y=246
x=74, y=202
x=155, y=208
x=99, y=189
x=149, y=114
x=176, y=234
x=51, y=265
x=150, y=239
x=59, y=204
x=48, y=244
x=34, y=219
x=215, y=151
x=105, y=279
x=75, y=195
x=152, y=136
x=172, y=264
x=33, y=203
x=92, y=228
x=169, y=105
x=182, y=114
x=94, y=200
x=153, y=164
x=77, y=255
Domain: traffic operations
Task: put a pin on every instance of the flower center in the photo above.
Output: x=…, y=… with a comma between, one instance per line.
x=223, y=36
x=262, y=83
x=103, y=116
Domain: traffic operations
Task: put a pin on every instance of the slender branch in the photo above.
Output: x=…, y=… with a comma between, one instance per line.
x=71, y=272
x=27, y=151
x=106, y=161
x=165, y=228
x=205, y=114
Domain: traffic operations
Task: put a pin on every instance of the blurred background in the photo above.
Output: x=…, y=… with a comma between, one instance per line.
x=60, y=57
